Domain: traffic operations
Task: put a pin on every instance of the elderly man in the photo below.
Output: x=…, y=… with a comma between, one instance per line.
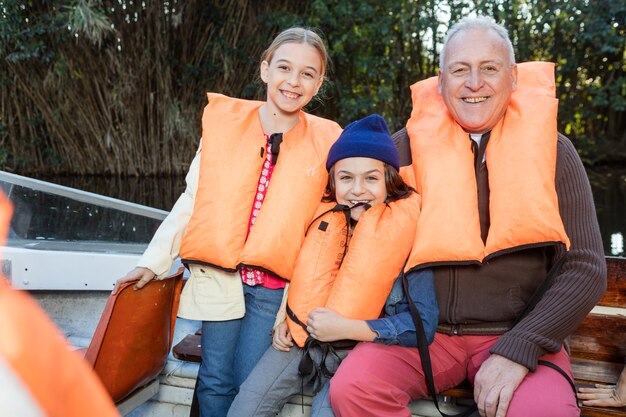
x=509, y=226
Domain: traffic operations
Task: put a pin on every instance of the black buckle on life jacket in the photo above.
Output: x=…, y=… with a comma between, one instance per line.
x=275, y=140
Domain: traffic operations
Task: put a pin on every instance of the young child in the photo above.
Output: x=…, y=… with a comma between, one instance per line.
x=251, y=192
x=354, y=249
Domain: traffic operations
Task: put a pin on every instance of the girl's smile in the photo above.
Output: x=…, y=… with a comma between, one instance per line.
x=360, y=180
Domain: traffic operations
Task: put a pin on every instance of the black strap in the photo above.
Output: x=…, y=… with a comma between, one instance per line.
x=338, y=207
x=346, y=212
x=422, y=348
x=561, y=371
x=308, y=366
x=317, y=371
x=275, y=140
x=306, y=232
x=295, y=318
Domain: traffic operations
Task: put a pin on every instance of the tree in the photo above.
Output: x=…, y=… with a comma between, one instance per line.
x=117, y=86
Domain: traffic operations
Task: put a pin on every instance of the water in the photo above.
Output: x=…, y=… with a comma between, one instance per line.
x=608, y=187
x=609, y=194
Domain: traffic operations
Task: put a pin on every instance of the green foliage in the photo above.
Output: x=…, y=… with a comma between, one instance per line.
x=25, y=35
x=88, y=20
x=383, y=51
x=118, y=86
x=587, y=40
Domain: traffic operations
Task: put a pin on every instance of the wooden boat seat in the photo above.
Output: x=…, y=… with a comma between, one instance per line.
x=133, y=338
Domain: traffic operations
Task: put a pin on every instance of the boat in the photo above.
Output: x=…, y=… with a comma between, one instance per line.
x=55, y=226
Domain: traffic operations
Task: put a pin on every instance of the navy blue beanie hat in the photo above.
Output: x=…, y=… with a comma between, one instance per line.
x=368, y=138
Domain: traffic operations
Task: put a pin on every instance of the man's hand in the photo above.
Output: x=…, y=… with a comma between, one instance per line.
x=496, y=381
x=144, y=275
x=281, y=340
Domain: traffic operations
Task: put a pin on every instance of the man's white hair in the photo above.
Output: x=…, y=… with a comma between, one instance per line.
x=478, y=22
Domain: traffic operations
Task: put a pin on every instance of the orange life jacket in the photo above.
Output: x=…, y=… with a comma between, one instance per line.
x=355, y=285
x=39, y=361
x=521, y=161
x=407, y=175
x=230, y=167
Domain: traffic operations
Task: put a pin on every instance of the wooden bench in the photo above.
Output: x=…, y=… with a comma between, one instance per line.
x=597, y=348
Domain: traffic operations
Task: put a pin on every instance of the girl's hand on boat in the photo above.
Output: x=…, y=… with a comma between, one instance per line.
x=281, y=340
x=605, y=395
x=144, y=275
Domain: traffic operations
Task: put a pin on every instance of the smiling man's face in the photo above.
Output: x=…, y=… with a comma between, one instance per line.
x=477, y=79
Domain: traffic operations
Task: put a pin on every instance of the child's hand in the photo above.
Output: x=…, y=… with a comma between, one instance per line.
x=327, y=325
x=605, y=395
x=144, y=275
x=602, y=396
x=282, y=340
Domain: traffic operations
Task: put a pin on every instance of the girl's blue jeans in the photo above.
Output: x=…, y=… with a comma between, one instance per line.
x=230, y=349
